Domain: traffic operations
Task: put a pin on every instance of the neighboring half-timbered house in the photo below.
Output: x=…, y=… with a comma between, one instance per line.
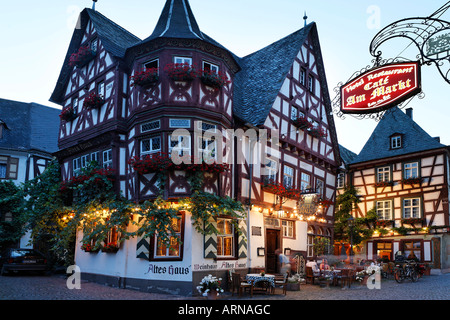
x=403, y=174
x=146, y=107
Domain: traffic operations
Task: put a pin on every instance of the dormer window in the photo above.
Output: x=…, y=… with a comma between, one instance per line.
x=210, y=67
x=396, y=142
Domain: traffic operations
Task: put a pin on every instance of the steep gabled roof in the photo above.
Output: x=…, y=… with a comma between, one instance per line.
x=347, y=156
x=394, y=121
x=114, y=38
x=262, y=76
x=31, y=126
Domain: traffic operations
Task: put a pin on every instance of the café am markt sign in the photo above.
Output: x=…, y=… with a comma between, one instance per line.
x=381, y=88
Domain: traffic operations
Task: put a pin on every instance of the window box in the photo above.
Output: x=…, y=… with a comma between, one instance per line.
x=280, y=190
x=181, y=71
x=111, y=247
x=382, y=184
x=317, y=132
x=385, y=223
x=68, y=114
x=82, y=57
x=146, y=78
x=214, y=79
x=412, y=181
x=302, y=123
x=89, y=248
x=93, y=101
x=412, y=221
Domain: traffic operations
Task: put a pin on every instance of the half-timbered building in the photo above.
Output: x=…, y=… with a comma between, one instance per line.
x=280, y=90
x=402, y=173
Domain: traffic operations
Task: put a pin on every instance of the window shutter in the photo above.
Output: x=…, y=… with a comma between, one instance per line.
x=242, y=240
x=143, y=246
x=210, y=245
x=13, y=168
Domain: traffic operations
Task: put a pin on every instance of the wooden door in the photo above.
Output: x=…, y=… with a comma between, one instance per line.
x=272, y=243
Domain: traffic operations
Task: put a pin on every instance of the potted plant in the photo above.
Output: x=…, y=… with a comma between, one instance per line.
x=293, y=283
x=110, y=247
x=412, y=181
x=181, y=71
x=82, y=57
x=382, y=184
x=213, y=79
x=302, y=123
x=210, y=287
x=68, y=114
x=317, y=132
x=88, y=247
x=93, y=101
x=146, y=78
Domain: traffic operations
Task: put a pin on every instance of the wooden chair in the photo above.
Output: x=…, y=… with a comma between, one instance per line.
x=240, y=285
x=280, y=282
x=346, y=277
x=310, y=275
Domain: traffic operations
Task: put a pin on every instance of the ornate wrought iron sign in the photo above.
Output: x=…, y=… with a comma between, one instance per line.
x=381, y=88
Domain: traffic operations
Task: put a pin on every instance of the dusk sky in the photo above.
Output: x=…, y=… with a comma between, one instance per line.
x=36, y=34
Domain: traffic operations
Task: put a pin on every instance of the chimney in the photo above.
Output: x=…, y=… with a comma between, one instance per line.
x=409, y=113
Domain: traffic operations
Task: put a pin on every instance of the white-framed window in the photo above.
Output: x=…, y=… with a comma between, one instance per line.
x=173, y=248
x=271, y=169
x=181, y=145
x=320, y=186
x=207, y=148
x=294, y=113
x=107, y=159
x=182, y=60
x=310, y=242
x=94, y=45
x=76, y=165
x=384, y=209
x=225, y=238
x=411, y=208
x=341, y=180
x=384, y=174
x=95, y=157
x=411, y=170
x=101, y=88
x=288, y=177
x=75, y=104
x=396, y=142
x=150, y=145
x=305, y=181
x=311, y=83
x=210, y=67
x=303, y=76
x=85, y=160
x=152, y=64
x=288, y=228
x=206, y=126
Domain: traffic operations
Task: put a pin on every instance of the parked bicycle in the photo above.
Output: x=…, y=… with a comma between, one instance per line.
x=408, y=269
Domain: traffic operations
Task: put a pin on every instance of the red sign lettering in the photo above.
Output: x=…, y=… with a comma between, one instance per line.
x=381, y=88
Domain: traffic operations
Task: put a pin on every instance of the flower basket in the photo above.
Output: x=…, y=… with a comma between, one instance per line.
x=412, y=221
x=87, y=247
x=208, y=285
x=68, y=114
x=317, y=132
x=214, y=79
x=145, y=78
x=385, y=223
x=93, y=101
x=412, y=181
x=383, y=184
x=280, y=190
x=181, y=71
x=82, y=57
x=111, y=247
x=302, y=123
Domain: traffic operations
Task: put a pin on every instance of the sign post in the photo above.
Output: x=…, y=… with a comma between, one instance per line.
x=381, y=88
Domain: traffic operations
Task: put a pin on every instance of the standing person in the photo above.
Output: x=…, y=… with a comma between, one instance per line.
x=285, y=265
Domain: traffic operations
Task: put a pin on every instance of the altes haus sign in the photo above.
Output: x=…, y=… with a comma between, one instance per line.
x=381, y=88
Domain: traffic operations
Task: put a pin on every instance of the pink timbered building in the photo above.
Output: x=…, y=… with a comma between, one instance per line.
x=280, y=89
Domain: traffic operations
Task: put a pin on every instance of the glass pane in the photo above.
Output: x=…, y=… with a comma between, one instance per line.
x=227, y=244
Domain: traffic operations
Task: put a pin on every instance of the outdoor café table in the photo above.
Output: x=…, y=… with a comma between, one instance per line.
x=256, y=277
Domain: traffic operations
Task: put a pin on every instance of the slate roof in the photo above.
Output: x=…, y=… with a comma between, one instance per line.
x=31, y=126
x=394, y=121
x=347, y=156
x=262, y=76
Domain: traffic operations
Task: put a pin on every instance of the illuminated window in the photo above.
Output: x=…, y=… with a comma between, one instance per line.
x=225, y=238
x=172, y=249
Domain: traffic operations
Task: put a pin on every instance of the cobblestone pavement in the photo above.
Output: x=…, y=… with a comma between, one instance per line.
x=33, y=287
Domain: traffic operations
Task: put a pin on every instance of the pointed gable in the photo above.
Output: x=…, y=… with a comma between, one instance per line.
x=114, y=39
x=395, y=122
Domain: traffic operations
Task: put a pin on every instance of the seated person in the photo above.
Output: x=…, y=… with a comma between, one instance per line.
x=314, y=267
x=324, y=265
